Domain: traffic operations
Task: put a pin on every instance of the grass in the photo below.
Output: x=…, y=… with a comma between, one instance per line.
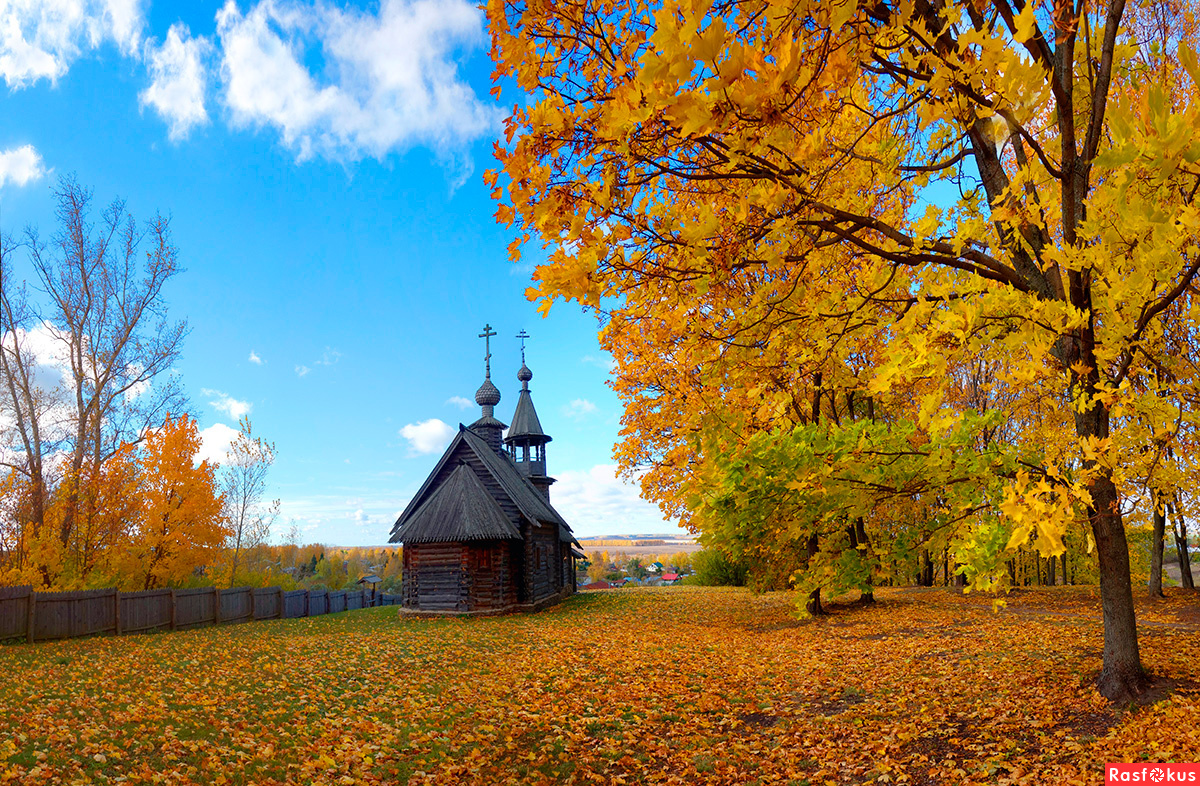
x=671, y=685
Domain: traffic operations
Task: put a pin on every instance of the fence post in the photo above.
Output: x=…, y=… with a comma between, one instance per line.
x=173, y=626
x=281, y=603
x=30, y=616
x=216, y=605
x=252, y=604
x=307, y=601
x=117, y=610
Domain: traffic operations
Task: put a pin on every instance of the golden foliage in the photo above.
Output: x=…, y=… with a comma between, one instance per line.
x=783, y=208
x=179, y=526
x=679, y=685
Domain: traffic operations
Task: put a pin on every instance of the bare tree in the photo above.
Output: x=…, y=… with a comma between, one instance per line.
x=29, y=411
x=244, y=485
x=105, y=317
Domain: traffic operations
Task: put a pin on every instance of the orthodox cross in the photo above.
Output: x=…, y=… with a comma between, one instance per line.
x=486, y=335
x=522, y=335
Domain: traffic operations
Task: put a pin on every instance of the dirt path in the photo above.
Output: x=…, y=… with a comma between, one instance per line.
x=1172, y=571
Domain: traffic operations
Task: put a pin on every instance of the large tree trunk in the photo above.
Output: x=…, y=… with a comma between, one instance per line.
x=1122, y=676
x=813, y=604
x=1156, y=549
x=1050, y=563
x=926, y=569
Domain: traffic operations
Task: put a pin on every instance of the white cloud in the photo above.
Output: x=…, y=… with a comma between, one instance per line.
x=460, y=402
x=579, y=409
x=364, y=519
x=335, y=518
x=125, y=22
x=223, y=402
x=597, y=502
x=20, y=166
x=50, y=349
x=178, y=80
x=51, y=371
x=328, y=358
x=255, y=359
x=214, y=443
x=604, y=361
x=428, y=436
x=40, y=38
x=389, y=80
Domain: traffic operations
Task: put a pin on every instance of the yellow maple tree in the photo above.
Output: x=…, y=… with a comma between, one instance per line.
x=921, y=183
x=179, y=528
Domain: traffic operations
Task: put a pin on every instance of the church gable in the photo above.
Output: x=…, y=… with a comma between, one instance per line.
x=459, y=509
x=513, y=493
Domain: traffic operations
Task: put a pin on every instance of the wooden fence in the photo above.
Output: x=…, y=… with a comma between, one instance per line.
x=38, y=616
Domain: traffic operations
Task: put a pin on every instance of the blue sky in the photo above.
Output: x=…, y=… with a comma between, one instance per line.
x=322, y=167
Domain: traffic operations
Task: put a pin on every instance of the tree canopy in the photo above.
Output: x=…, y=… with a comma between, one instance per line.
x=878, y=255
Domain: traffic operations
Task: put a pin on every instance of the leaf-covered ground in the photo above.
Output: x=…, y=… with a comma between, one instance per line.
x=671, y=685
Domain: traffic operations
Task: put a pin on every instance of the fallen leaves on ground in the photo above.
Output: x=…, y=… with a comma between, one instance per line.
x=671, y=685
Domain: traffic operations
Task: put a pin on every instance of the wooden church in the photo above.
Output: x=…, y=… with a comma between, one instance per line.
x=480, y=536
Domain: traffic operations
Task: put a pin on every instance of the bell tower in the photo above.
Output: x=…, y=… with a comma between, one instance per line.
x=526, y=442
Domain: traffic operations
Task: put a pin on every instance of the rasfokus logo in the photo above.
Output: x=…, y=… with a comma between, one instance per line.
x=1152, y=773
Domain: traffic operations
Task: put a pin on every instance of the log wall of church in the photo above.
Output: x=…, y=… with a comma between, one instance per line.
x=543, y=559
x=475, y=576
x=433, y=577
x=490, y=576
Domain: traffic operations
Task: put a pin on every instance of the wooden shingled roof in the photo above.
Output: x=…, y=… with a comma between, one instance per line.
x=524, y=495
x=530, y=501
x=458, y=510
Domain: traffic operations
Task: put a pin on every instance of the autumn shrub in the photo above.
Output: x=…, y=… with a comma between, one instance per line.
x=714, y=568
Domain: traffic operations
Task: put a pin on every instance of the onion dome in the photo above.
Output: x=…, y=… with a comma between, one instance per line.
x=487, y=395
x=524, y=375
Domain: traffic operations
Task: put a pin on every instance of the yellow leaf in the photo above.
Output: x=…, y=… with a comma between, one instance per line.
x=1188, y=58
x=842, y=13
x=1025, y=23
